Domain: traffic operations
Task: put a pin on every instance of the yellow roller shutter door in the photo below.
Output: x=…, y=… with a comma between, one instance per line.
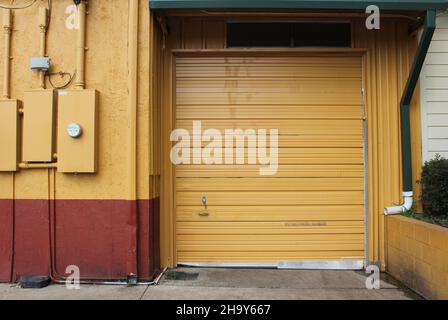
x=313, y=208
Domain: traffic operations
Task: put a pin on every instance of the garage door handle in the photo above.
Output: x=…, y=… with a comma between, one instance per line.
x=203, y=214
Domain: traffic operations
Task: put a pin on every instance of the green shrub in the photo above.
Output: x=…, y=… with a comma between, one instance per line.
x=435, y=187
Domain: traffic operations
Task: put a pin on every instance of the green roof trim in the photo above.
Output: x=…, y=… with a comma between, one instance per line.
x=412, y=5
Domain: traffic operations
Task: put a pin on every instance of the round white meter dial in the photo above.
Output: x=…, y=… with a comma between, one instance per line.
x=74, y=130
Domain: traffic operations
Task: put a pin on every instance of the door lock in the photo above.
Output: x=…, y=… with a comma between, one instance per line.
x=204, y=202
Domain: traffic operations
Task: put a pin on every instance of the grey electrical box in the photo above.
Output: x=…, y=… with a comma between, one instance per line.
x=40, y=63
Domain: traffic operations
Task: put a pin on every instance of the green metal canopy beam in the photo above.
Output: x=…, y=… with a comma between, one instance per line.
x=425, y=42
x=412, y=5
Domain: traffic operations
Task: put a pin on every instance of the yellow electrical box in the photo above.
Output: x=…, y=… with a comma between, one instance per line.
x=9, y=135
x=38, y=126
x=77, y=131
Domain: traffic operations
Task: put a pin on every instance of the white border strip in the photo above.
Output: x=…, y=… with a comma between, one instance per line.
x=293, y=265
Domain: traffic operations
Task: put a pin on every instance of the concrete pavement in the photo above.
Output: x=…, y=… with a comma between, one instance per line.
x=229, y=284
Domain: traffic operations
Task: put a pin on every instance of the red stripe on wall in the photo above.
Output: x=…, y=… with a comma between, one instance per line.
x=32, y=240
x=148, y=244
x=6, y=234
x=98, y=236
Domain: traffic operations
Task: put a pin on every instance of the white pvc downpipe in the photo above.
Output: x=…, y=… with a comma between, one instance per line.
x=406, y=206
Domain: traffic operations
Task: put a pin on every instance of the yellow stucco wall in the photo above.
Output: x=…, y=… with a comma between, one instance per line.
x=418, y=255
x=106, y=71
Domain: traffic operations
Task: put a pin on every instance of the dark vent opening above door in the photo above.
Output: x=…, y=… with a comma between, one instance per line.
x=288, y=35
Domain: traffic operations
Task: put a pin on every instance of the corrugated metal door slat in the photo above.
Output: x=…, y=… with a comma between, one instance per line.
x=313, y=209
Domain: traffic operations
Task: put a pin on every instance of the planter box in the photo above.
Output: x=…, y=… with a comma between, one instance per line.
x=417, y=255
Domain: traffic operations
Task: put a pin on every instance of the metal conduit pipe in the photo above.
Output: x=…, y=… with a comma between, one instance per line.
x=117, y=283
x=7, y=28
x=406, y=146
x=26, y=165
x=132, y=129
x=43, y=25
x=81, y=47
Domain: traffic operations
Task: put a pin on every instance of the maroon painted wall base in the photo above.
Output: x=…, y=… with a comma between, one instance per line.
x=6, y=239
x=98, y=236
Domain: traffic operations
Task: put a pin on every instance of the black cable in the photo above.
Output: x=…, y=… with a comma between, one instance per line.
x=50, y=8
x=62, y=74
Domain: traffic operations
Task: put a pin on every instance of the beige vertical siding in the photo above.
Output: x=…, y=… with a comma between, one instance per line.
x=434, y=98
